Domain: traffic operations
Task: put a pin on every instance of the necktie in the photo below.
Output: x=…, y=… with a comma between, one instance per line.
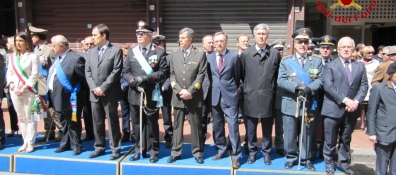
x=261, y=51
x=326, y=61
x=101, y=50
x=348, y=72
x=302, y=59
x=144, y=52
x=185, y=53
x=220, y=62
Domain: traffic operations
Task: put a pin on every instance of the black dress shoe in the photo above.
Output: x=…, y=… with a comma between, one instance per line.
x=289, y=165
x=114, y=156
x=153, y=159
x=236, y=164
x=2, y=146
x=245, y=149
x=199, y=160
x=96, y=154
x=76, y=152
x=281, y=152
x=173, y=159
x=125, y=137
x=267, y=160
x=135, y=157
x=312, y=158
x=347, y=171
x=218, y=156
x=62, y=149
x=251, y=159
x=310, y=166
x=168, y=144
x=12, y=133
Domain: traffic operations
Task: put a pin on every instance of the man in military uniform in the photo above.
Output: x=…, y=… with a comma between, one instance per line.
x=187, y=71
x=145, y=67
x=326, y=45
x=279, y=45
x=299, y=76
x=47, y=56
x=311, y=48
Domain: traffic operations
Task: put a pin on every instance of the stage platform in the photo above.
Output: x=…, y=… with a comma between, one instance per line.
x=45, y=161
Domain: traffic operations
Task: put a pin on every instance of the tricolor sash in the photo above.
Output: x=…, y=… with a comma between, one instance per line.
x=69, y=88
x=38, y=109
x=303, y=76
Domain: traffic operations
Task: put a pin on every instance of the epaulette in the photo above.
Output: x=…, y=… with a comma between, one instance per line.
x=316, y=56
x=287, y=56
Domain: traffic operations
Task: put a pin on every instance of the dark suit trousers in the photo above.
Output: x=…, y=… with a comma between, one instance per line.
x=195, y=127
x=167, y=114
x=279, y=129
x=87, y=112
x=125, y=112
x=386, y=158
x=150, y=131
x=2, y=127
x=314, y=147
x=12, y=113
x=342, y=128
x=266, y=129
x=231, y=115
x=206, y=108
x=100, y=110
x=71, y=131
x=292, y=133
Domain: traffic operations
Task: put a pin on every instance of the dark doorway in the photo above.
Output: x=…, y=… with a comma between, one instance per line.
x=7, y=17
x=384, y=36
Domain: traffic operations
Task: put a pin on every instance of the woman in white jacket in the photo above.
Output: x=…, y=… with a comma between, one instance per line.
x=22, y=77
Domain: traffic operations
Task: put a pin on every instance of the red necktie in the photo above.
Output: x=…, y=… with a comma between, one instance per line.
x=220, y=62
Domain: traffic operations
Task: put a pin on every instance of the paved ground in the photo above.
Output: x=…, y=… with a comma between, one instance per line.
x=363, y=155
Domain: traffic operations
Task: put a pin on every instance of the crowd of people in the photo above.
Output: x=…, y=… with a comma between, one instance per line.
x=319, y=97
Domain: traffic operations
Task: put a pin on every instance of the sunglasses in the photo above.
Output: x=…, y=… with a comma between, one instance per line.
x=306, y=42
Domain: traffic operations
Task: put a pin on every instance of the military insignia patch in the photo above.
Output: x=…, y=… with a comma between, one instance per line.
x=173, y=84
x=197, y=85
x=313, y=73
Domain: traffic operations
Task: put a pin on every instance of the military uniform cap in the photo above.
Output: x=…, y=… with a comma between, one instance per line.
x=311, y=44
x=391, y=68
x=302, y=34
x=278, y=44
x=144, y=27
x=327, y=40
x=391, y=50
x=158, y=37
x=35, y=30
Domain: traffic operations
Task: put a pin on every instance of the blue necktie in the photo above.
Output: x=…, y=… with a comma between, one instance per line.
x=261, y=52
x=348, y=72
x=101, y=50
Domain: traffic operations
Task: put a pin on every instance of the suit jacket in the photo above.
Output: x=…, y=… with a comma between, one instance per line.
x=30, y=63
x=73, y=67
x=259, y=76
x=187, y=73
x=47, y=57
x=381, y=119
x=2, y=74
x=226, y=83
x=380, y=74
x=288, y=80
x=132, y=69
x=105, y=73
x=337, y=87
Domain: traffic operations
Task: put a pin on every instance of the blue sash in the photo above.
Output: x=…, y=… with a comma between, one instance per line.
x=303, y=76
x=69, y=87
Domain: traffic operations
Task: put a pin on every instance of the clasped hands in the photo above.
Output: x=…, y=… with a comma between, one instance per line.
x=98, y=92
x=351, y=105
x=185, y=95
x=138, y=81
x=303, y=90
x=19, y=90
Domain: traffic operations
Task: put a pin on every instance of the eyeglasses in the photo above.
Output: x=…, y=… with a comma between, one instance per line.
x=306, y=42
x=141, y=33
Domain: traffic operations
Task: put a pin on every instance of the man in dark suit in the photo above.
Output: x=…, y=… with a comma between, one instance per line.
x=260, y=64
x=224, y=67
x=187, y=71
x=380, y=53
x=2, y=124
x=87, y=109
x=380, y=122
x=145, y=67
x=345, y=85
x=103, y=70
x=300, y=76
x=65, y=79
x=326, y=45
x=208, y=47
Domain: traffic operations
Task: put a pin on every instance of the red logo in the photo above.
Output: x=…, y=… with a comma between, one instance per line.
x=345, y=4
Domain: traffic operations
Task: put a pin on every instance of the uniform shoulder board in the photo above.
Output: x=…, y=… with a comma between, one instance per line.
x=316, y=56
x=287, y=56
